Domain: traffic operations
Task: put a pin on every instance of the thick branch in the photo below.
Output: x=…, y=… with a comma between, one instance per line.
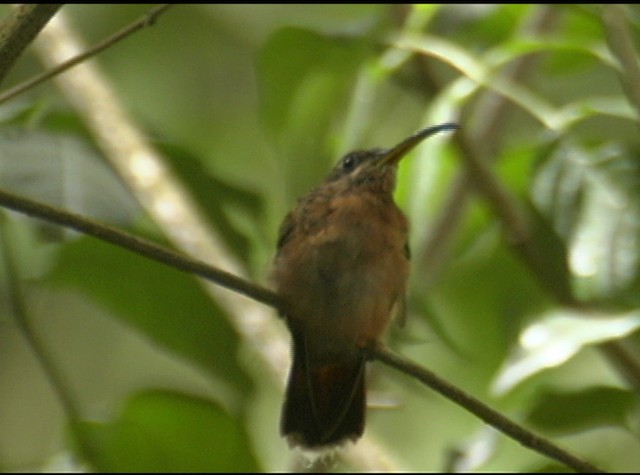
x=19, y=29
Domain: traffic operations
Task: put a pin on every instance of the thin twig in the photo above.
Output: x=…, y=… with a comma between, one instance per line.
x=18, y=30
x=481, y=410
x=148, y=19
x=137, y=245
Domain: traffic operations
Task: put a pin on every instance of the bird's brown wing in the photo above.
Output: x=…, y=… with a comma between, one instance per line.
x=286, y=228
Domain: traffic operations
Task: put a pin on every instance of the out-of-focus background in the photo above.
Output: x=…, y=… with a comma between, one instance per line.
x=143, y=369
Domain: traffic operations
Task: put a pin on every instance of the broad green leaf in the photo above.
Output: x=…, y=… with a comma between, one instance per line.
x=166, y=305
x=582, y=25
x=160, y=431
x=483, y=25
x=556, y=337
x=560, y=412
x=32, y=258
x=482, y=297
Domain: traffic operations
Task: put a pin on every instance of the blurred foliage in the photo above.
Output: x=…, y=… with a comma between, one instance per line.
x=251, y=105
x=161, y=431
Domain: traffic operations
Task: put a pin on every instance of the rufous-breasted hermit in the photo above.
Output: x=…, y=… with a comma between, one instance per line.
x=341, y=273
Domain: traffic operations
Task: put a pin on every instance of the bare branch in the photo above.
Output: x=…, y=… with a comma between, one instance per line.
x=18, y=30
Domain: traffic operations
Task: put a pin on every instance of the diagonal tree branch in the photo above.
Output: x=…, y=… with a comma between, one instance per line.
x=18, y=30
x=482, y=411
x=229, y=281
x=138, y=245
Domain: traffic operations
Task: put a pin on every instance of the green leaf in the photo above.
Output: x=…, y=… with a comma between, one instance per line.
x=483, y=25
x=477, y=74
x=222, y=202
x=547, y=253
x=560, y=412
x=167, y=306
x=162, y=431
x=296, y=66
x=304, y=81
x=482, y=298
x=591, y=195
x=63, y=170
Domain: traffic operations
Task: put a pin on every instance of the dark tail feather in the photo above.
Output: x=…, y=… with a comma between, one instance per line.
x=325, y=404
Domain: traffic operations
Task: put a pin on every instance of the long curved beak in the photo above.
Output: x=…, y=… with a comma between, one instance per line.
x=393, y=155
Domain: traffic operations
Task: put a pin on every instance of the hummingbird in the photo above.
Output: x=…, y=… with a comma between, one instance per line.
x=341, y=271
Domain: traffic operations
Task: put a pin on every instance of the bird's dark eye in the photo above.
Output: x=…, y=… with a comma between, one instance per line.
x=348, y=163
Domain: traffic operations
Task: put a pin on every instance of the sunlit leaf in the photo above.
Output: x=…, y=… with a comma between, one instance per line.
x=556, y=337
x=592, y=196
